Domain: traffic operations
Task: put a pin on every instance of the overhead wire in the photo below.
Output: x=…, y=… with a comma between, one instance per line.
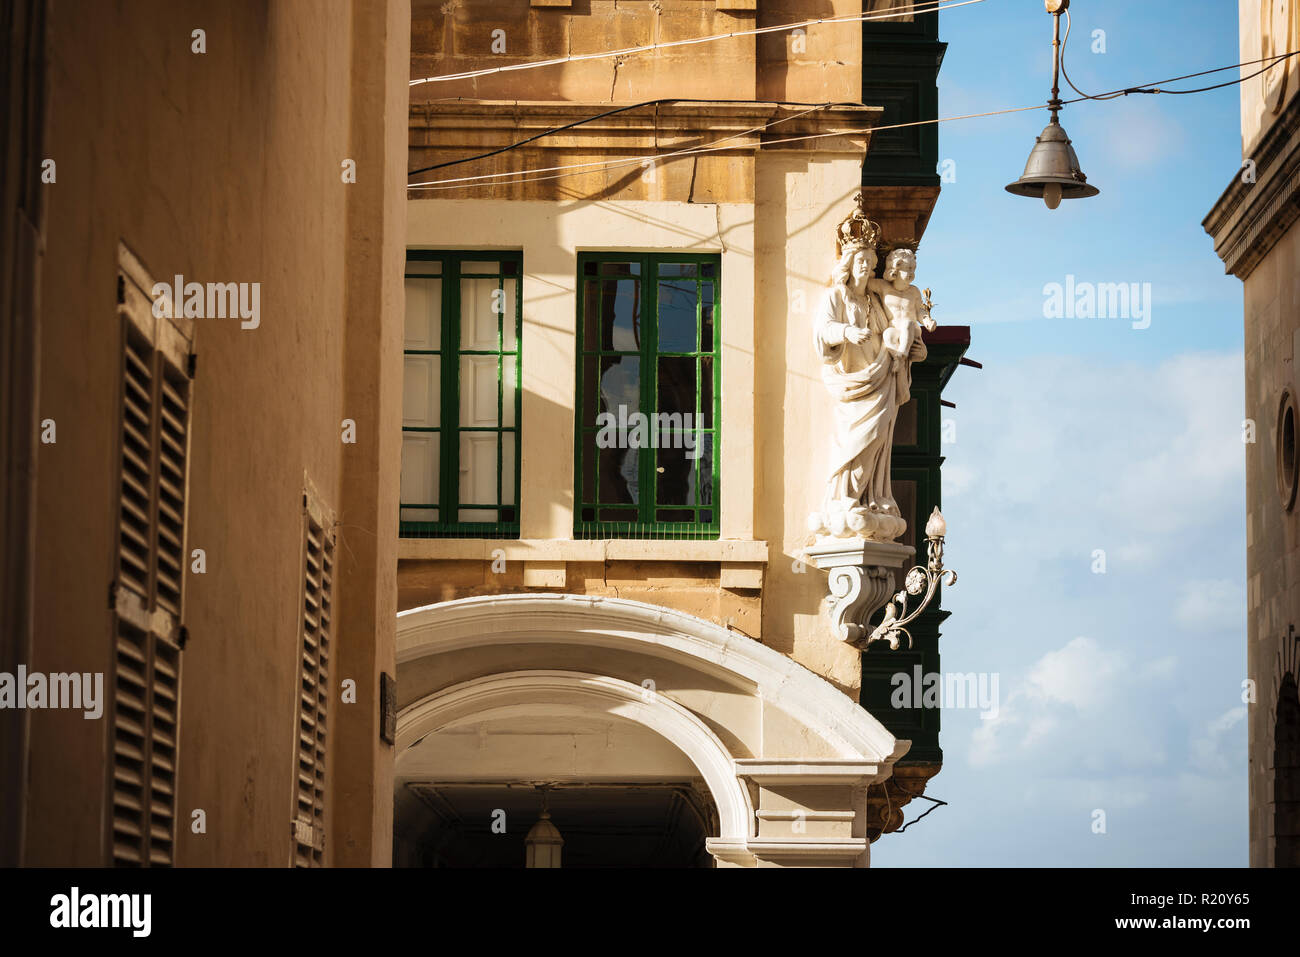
x=930, y=6
x=1155, y=87
x=592, y=119
x=1218, y=86
x=1066, y=73
x=895, y=12
x=628, y=162
x=527, y=175
x=466, y=181
x=935, y=805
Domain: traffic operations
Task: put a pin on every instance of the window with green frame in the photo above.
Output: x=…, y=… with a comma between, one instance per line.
x=649, y=386
x=461, y=395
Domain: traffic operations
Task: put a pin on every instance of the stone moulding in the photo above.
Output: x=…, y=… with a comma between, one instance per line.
x=790, y=799
x=477, y=125
x=1254, y=212
x=597, y=622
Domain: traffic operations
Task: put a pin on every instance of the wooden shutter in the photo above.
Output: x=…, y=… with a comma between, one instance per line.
x=147, y=596
x=311, y=725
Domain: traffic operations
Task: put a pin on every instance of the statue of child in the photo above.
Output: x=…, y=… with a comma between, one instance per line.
x=907, y=309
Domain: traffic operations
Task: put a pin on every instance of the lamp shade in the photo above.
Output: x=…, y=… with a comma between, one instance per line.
x=1052, y=173
x=543, y=843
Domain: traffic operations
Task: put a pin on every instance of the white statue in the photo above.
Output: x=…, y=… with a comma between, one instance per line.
x=907, y=309
x=868, y=334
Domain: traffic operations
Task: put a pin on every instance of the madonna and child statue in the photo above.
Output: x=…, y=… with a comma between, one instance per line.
x=868, y=333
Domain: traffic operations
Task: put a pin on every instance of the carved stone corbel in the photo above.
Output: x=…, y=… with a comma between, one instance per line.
x=861, y=579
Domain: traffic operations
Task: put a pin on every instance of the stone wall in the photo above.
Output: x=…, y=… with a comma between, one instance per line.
x=225, y=166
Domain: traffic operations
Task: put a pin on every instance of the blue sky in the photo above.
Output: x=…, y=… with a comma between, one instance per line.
x=1119, y=691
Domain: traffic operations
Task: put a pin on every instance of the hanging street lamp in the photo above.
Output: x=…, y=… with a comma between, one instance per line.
x=543, y=843
x=1052, y=173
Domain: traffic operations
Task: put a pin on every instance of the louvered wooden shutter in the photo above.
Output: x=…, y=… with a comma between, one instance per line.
x=148, y=591
x=314, y=684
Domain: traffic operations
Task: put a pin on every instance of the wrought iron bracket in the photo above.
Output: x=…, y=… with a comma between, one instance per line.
x=861, y=581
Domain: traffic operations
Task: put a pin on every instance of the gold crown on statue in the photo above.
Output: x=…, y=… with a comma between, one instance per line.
x=856, y=231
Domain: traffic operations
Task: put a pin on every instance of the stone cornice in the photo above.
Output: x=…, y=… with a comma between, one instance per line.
x=902, y=211
x=886, y=800
x=1249, y=218
x=490, y=124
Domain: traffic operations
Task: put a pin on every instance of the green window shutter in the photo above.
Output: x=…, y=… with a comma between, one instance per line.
x=648, y=396
x=462, y=403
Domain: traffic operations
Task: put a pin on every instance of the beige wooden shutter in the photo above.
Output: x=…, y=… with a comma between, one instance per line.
x=311, y=726
x=148, y=589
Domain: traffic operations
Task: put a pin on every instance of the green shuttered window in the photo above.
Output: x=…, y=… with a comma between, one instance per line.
x=461, y=398
x=648, y=393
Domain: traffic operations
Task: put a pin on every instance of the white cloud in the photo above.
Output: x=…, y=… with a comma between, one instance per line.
x=1057, y=456
x=1212, y=605
x=1160, y=667
x=1135, y=553
x=1078, y=707
x=958, y=478
x=1086, y=454
x=1080, y=674
x=1213, y=750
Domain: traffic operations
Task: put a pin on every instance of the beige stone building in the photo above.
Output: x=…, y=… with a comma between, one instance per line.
x=308, y=469
x=183, y=514
x=1255, y=233
x=632, y=637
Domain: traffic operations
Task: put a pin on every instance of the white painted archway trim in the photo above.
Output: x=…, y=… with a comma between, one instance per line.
x=565, y=693
x=658, y=632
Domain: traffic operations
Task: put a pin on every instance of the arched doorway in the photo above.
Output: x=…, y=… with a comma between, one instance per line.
x=619, y=771
x=656, y=736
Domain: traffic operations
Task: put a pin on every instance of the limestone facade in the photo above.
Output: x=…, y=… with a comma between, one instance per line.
x=194, y=470
x=765, y=199
x=1254, y=229
x=211, y=519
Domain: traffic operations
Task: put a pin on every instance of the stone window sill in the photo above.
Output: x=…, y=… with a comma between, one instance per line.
x=742, y=561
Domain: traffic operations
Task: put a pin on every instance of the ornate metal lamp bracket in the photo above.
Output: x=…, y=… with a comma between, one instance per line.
x=861, y=580
x=921, y=578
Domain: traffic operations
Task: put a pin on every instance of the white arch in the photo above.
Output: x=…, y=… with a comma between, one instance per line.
x=566, y=693
x=659, y=632
x=826, y=747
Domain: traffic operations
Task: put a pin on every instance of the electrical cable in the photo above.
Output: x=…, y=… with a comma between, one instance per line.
x=935, y=806
x=591, y=119
x=523, y=142
x=1066, y=73
x=466, y=182
x=1154, y=87
x=641, y=161
x=1218, y=86
x=931, y=6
